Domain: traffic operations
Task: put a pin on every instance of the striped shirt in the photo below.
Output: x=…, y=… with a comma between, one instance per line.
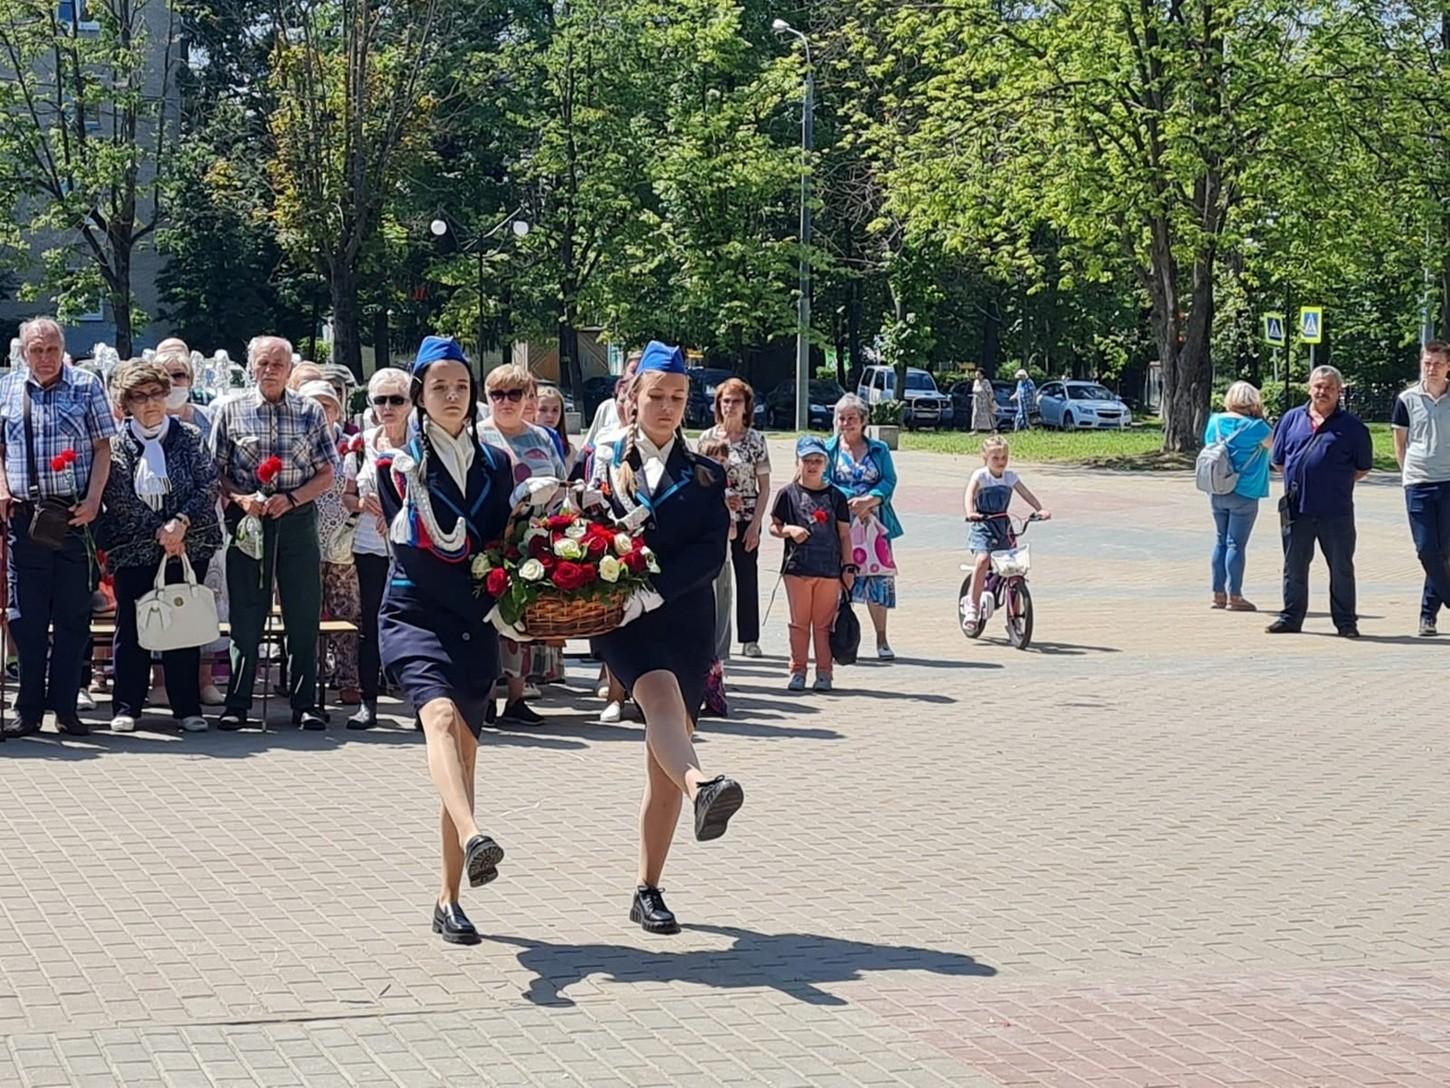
x=72, y=414
x=247, y=429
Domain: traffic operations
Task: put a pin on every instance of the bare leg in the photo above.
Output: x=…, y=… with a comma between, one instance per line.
x=442, y=724
x=659, y=814
x=516, y=688
x=452, y=841
x=878, y=621
x=979, y=576
x=667, y=730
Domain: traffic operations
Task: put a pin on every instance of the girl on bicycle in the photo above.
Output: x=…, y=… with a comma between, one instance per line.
x=989, y=493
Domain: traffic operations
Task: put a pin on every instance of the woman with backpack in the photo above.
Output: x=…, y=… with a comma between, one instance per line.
x=1236, y=443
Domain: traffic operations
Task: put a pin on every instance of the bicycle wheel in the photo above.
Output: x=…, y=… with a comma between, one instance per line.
x=1018, y=613
x=973, y=629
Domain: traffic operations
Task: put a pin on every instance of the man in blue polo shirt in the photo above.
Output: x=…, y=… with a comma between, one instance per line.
x=1421, y=425
x=1323, y=451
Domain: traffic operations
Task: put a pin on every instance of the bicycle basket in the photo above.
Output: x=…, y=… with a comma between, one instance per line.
x=1011, y=562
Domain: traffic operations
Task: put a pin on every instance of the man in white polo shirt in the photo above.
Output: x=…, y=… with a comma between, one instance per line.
x=1422, y=447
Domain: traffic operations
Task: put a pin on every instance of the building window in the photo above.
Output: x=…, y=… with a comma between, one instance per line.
x=76, y=13
x=96, y=313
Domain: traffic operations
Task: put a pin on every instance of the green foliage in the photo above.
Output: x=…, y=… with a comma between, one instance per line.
x=887, y=413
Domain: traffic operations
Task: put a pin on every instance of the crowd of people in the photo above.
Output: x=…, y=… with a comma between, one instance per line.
x=1322, y=451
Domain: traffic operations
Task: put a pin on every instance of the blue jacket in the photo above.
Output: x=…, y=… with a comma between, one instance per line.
x=884, y=488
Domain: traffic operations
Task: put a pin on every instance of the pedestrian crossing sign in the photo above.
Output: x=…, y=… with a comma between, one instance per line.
x=1311, y=324
x=1274, y=329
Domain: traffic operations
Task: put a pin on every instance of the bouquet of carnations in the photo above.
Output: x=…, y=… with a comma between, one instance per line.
x=248, y=534
x=564, y=576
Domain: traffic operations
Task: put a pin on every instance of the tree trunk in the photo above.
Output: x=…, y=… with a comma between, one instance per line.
x=382, y=340
x=120, y=296
x=992, y=338
x=1183, y=344
x=346, y=318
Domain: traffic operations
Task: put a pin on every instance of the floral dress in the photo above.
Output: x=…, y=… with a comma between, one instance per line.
x=870, y=545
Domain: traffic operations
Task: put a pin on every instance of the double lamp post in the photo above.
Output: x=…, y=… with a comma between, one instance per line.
x=479, y=247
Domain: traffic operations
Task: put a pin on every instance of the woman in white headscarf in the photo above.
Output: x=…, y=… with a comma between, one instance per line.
x=160, y=504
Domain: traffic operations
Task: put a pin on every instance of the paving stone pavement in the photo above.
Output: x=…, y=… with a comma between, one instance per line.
x=1160, y=848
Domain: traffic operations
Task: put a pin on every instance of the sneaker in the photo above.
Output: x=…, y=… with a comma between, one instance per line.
x=751, y=649
x=884, y=652
x=531, y=691
x=520, y=713
x=611, y=714
x=649, y=911
x=823, y=683
x=85, y=700
x=123, y=723
x=365, y=717
x=211, y=695
x=969, y=614
x=1427, y=629
x=797, y=682
x=310, y=720
x=194, y=723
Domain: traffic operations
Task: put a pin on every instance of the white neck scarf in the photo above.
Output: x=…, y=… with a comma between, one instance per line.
x=652, y=459
x=454, y=452
x=152, y=482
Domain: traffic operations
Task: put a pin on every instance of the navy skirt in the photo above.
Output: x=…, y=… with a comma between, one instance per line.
x=678, y=637
x=445, y=661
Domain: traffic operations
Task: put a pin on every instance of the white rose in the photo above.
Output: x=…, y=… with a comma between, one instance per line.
x=623, y=543
x=531, y=570
x=480, y=565
x=568, y=549
x=610, y=569
x=576, y=531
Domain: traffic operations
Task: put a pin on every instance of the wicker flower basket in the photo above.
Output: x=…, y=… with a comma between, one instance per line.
x=554, y=615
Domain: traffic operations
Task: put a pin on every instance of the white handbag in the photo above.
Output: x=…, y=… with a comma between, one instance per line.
x=177, y=616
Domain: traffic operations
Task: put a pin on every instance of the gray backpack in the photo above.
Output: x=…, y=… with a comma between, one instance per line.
x=1214, y=472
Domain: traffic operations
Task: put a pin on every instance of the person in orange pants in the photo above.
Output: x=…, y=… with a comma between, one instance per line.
x=813, y=519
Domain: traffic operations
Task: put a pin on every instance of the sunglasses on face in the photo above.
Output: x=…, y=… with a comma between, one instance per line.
x=146, y=396
x=393, y=401
x=514, y=395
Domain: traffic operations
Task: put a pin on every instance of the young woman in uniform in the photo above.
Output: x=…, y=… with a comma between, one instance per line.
x=652, y=479
x=444, y=497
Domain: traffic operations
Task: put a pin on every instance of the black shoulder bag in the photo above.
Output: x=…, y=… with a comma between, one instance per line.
x=1291, y=487
x=50, y=517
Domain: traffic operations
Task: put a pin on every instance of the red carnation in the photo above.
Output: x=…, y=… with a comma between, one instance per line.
x=69, y=455
x=819, y=516
x=269, y=469
x=496, y=582
x=58, y=463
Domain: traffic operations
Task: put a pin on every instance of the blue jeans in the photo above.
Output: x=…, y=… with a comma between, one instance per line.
x=1233, y=516
x=1429, y=509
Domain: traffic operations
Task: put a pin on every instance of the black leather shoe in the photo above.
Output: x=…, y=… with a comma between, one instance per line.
x=519, y=712
x=480, y=860
x=717, y=800
x=309, y=720
x=1349, y=632
x=22, y=727
x=453, y=924
x=1282, y=627
x=229, y=721
x=650, y=912
x=365, y=717
x=72, y=726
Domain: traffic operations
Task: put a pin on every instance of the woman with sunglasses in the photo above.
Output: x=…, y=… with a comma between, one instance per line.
x=532, y=453
x=388, y=398
x=445, y=496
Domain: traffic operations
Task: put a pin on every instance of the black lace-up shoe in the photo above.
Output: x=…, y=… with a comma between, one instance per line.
x=450, y=921
x=650, y=912
x=716, y=802
x=480, y=860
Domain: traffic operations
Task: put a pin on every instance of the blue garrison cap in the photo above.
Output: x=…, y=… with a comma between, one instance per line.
x=435, y=348
x=808, y=445
x=661, y=357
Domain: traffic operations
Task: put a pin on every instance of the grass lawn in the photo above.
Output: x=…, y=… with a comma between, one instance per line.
x=1138, y=448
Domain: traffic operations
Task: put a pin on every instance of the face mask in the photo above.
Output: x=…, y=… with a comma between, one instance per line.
x=178, y=396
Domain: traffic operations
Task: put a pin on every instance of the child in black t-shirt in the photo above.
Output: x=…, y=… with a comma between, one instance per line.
x=812, y=517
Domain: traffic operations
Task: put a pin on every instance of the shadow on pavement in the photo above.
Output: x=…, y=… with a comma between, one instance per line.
x=795, y=964
x=926, y=663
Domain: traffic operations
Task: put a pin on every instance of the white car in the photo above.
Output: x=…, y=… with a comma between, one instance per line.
x=1081, y=405
x=924, y=404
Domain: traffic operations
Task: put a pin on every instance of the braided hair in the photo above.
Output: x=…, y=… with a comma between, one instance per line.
x=420, y=414
x=624, y=471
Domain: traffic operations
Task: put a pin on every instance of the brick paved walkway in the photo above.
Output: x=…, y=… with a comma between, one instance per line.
x=1161, y=849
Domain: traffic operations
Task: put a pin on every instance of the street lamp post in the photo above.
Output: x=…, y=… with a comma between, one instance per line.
x=803, y=306
x=520, y=227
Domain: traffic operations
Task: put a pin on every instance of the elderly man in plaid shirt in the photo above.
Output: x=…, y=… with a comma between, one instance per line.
x=249, y=429
x=50, y=413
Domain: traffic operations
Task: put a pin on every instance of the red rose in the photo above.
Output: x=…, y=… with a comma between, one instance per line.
x=496, y=582
x=819, y=517
x=539, y=547
x=269, y=469
x=635, y=561
x=560, y=521
x=568, y=575
x=596, y=546
x=58, y=463
x=549, y=560
x=69, y=455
